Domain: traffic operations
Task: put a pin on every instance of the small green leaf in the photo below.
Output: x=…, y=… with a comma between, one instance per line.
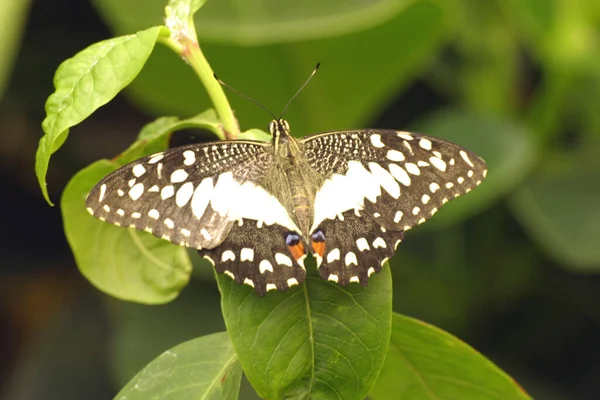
x=315, y=341
x=86, y=82
x=424, y=362
x=124, y=263
x=202, y=368
x=506, y=147
x=559, y=209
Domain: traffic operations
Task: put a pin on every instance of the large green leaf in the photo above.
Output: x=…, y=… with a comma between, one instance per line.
x=271, y=21
x=202, y=368
x=86, y=82
x=315, y=341
x=506, y=146
x=359, y=74
x=426, y=363
x=125, y=263
x=560, y=209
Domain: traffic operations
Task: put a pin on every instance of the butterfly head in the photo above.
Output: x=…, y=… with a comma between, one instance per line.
x=279, y=128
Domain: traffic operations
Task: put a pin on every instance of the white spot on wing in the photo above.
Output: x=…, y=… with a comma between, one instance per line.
x=398, y=216
x=400, y=174
x=412, y=168
x=425, y=144
x=169, y=223
x=228, y=255
x=354, y=279
x=434, y=187
x=292, y=281
x=405, y=135
x=189, y=157
x=136, y=215
x=333, y=255
x=376, y=141
x=156, y=158
x=282, y=259
x=247, y=254
x=102, y=192
x=425, y=199
x=395, y=155
x=249, y=282
x=438, y=163
x=184, y=194
x=271, y=286
x=138, y=170
x=350, y=259
x=179, y=175
x=465, y=157
x=370, y=271
x=120, y=212
x=136, y=191
x=154, y=214
x=167, y=192
x=333, y=278
x=385, y=180
x=201, y=197
x=264, y=266
x=106, y=208
x=362, y=244
x=416, y=210
x=379, y=242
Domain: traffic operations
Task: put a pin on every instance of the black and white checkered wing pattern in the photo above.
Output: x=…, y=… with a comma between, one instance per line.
x=397, y=179
x=191, y=195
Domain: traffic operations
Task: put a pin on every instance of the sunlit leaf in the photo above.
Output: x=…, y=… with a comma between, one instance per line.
x=202, y=368
x=86, y=82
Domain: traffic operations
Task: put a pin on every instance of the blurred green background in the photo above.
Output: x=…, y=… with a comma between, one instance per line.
x=512, y=268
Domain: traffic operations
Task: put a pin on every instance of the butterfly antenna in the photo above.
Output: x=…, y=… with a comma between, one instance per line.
x=299, y=90
x=244, y=96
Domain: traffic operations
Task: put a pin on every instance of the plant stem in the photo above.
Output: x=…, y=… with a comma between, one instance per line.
x=189, y=50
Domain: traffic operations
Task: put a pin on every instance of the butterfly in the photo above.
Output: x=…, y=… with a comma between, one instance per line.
x=256, y=209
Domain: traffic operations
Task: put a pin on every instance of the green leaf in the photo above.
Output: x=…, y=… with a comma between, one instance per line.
x=315, y=341
x=424, y=362
x=559, y=209
x=122, y=262
x=252, y=24
x=348, y=91
x=506, y=147
x=86, y=82
x=202, y=368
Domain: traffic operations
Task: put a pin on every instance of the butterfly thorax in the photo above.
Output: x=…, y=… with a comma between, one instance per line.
x=300, y=180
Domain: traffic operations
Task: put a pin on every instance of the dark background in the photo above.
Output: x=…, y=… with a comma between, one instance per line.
x=510, y=293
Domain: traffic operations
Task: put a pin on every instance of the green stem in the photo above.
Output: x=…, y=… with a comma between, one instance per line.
x=190, y=51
